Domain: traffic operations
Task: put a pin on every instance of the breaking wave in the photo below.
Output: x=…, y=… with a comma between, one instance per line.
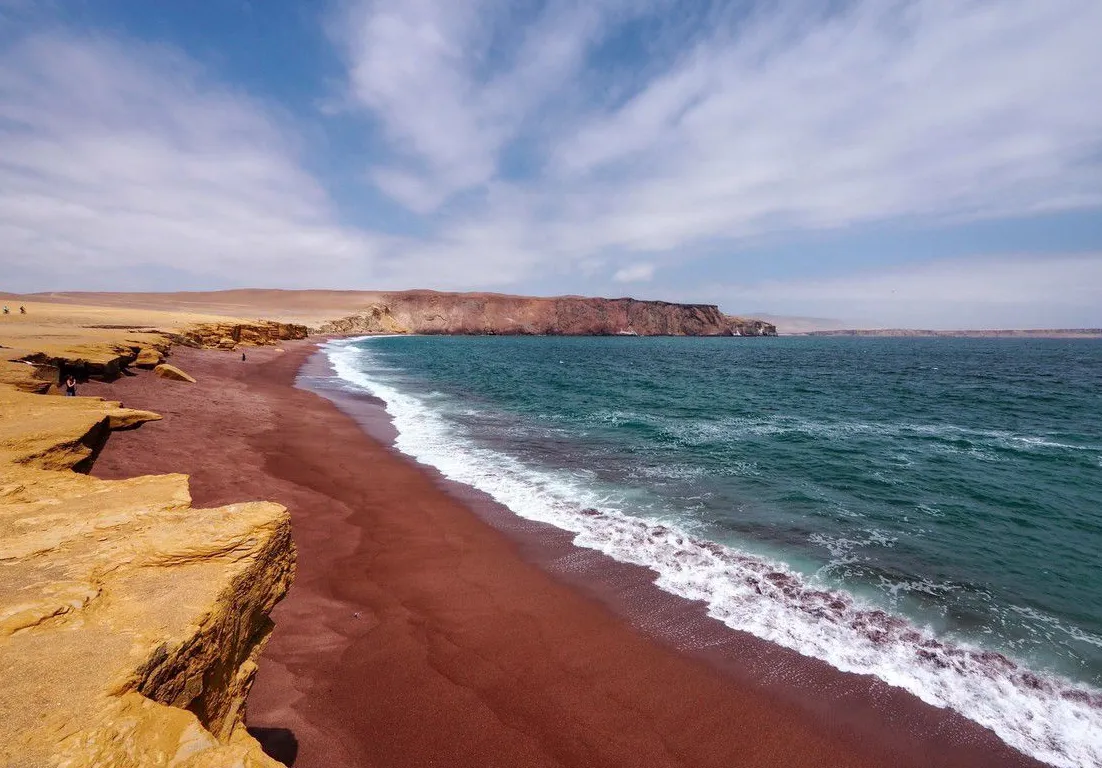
x=1043, y=715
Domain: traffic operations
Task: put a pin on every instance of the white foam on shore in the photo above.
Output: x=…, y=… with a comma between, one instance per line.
x=1052, y=719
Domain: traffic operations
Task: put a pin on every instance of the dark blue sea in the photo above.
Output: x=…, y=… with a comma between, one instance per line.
x=925, y=510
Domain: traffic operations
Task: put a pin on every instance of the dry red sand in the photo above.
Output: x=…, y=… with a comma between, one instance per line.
x=418, y=634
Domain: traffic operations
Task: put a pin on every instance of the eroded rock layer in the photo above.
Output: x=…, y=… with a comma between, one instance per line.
x=130, y=623
x=430, y=312
x=106, y=352
x=230, y=335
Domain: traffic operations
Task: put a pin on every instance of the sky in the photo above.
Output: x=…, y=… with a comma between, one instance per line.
x=919, y=163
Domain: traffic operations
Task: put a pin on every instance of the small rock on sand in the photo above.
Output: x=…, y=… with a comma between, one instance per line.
x=148, y=358
x=166, y=371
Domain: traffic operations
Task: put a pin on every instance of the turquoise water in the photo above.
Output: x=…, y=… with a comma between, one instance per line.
x=927, y=510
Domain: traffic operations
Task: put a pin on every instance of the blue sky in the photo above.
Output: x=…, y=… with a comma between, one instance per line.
x=933, y=163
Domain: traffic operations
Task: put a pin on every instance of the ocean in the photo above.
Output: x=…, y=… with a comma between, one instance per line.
x=928, y=511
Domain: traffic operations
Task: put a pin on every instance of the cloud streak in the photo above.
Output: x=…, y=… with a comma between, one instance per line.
x=634, y=273
x=739, y=124
x=420, y=68
x=119, y=159
x=880, y=110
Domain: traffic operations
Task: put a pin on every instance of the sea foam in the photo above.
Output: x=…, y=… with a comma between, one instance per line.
x=1045, y=716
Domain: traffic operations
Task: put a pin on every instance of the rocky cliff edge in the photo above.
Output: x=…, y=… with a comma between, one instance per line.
x=130, y=623
x=430, y=312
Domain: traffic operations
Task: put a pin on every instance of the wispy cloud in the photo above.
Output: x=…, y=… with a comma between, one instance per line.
x=634, y=273
x=740, y=123
x=878, y=110
x=452, y=84
x=120, y=158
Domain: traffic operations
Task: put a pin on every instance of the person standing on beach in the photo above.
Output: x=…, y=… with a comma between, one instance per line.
x=242, y=357
x=70, y=386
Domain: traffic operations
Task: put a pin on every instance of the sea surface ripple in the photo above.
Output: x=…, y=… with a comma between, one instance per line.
x=925, y=510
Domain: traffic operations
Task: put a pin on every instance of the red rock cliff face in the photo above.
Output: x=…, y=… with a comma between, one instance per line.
x=484, y=313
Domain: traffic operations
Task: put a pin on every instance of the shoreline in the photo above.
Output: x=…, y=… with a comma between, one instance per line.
x=429, y=624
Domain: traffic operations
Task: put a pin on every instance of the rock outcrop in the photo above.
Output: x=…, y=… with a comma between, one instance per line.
x=430, y=312
x=229, y=335
x=148, y=358
x=166, y=371
x=105, y=352
x=130, y=623
x=99, y=361
x=375, y=319
x=58, y=433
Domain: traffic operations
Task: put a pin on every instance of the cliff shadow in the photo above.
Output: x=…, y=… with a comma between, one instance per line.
x=278, y=743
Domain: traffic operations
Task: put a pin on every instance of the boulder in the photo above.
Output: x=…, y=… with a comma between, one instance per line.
x=166, y=371
x=148, y=358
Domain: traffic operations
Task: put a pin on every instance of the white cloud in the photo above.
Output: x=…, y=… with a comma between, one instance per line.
x=116, y=156
x=883, y=110
x=734, y=125
x=1012, y=292
x=424, y=69
x=634, y=273
x=123, y=166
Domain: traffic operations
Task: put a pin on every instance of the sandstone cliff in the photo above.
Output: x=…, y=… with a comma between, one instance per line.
x=230, y=335
x=130, y=623
x=36, y=356
x=430, y=312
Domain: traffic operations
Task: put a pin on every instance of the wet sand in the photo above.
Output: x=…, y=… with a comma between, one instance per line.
x=429, y=626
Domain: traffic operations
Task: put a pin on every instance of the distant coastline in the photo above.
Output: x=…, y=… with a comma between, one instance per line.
x=1033, y=333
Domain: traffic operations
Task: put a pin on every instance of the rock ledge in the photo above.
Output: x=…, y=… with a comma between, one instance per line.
x=130, y=623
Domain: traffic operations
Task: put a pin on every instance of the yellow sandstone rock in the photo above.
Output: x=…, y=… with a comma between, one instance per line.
x=100, y=342
x=148, y=358
x=58, y=432
x=130, y=623
x=166, y=371
x=227, y=335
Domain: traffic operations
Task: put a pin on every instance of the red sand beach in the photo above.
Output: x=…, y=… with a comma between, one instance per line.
x=427, y=626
